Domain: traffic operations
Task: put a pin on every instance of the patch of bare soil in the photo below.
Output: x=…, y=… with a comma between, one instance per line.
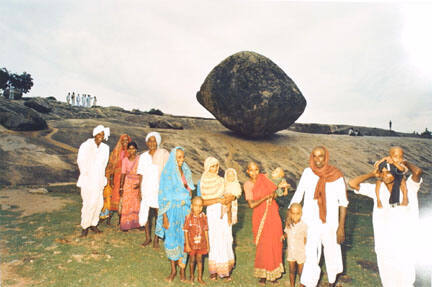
x=372, y=266
x=8, y=276
x=29, y=203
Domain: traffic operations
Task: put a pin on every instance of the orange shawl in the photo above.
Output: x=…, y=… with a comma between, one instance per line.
x=114, y=158
x=327, y=173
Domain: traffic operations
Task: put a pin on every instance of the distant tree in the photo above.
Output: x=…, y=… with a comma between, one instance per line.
x=155, y=112
x=22, y=82
x=4, y=78
x=426, y=134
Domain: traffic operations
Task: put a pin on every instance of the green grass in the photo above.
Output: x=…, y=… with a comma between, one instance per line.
x=50, y=253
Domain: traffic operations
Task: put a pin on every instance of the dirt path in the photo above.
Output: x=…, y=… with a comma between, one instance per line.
x=48, y=137
x=57, y=143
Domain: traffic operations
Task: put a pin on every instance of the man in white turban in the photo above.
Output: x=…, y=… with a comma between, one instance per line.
x=92, y=159
x=150, y=166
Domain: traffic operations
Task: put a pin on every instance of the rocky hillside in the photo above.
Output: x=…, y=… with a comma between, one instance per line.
x=48, y=155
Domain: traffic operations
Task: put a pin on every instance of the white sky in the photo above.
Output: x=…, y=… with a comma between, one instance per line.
x=355, y=63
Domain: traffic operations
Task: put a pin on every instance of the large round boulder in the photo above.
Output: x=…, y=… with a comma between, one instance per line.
x=251, y=95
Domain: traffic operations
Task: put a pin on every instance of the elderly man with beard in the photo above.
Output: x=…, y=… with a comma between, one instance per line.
x=150, y=166
x=395, y=226
x=325, y=201
x=92, y=160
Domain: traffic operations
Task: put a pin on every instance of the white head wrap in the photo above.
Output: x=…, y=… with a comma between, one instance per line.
x=157, y=137
x=101, y=128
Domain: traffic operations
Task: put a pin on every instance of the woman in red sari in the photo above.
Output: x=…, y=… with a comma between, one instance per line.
x=130, y=190
x=113, y=172
x=266, y=225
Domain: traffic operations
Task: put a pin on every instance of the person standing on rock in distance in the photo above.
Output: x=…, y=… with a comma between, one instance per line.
x=92, y=160
x=325, y=202
x=84, y=100
x=266, y=225
x=88, y=101
x=175, y=193
x=113, y=173
x=150, y=166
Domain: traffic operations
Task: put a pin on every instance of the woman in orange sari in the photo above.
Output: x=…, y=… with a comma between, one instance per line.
x=266, y=225
x=130, y=190
x=113, y=173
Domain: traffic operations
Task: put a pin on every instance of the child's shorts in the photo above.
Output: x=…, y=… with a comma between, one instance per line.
x=297, y=257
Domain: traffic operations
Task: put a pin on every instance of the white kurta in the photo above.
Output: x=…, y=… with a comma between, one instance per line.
x=150, y=168
x=92, y=161
x=321, y=234
x=395, y=233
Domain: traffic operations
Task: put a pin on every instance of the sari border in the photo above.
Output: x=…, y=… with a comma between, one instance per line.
x=269, y=275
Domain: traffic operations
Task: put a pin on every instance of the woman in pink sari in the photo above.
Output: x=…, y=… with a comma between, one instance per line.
x=130, y=190
x=266, y=225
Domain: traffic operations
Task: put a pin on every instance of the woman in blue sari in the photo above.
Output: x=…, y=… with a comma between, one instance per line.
x=175, y=190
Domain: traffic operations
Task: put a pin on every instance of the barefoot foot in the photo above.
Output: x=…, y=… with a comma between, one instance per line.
x=171, y=277
x=147, y=242
x=156, y=244
x=182, y=275
x=213, y=277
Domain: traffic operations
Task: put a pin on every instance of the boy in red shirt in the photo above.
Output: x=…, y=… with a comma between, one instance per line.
x=196, y=237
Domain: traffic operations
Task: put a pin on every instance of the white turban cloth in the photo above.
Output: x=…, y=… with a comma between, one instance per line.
x=157, y=137
x=101, y=128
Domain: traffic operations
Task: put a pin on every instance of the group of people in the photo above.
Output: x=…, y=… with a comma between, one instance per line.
x=84, y=100
x=352, y=132
x=133, y=185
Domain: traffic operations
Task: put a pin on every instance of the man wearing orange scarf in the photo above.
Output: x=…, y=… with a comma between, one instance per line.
x=325, y=201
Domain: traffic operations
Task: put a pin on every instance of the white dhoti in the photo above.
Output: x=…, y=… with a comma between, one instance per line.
x=149, y=186
x=321, y=235
x=395, y=272
x=92, y=203
x=394, y=246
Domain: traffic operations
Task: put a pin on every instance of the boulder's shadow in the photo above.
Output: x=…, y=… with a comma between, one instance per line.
x=271, y=138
